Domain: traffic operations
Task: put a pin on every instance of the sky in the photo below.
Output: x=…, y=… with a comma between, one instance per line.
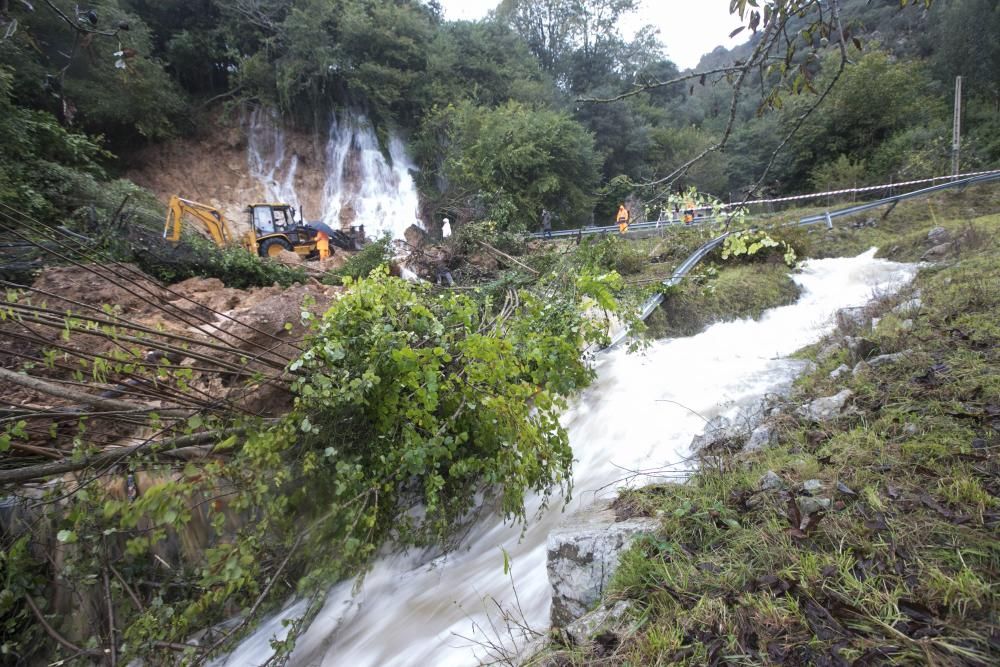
x=688, y=28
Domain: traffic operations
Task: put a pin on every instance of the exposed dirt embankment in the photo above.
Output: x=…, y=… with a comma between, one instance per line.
x=214, y=168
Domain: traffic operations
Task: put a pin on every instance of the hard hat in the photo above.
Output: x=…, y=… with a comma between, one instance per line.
x=445, y=220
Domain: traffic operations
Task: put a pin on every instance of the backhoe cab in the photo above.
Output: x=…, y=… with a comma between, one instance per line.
x=272, y=227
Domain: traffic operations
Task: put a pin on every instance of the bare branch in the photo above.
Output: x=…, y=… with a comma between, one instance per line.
x=659, y=84
x=112, y=456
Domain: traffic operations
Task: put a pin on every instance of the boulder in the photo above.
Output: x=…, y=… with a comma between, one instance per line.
x=287, y=257
x=827, y=352
x=721, y=429
x=827, y=408
x=415, y=236
x=860, y=348
x=908, y=307
x=583, y=553
x=718, y=429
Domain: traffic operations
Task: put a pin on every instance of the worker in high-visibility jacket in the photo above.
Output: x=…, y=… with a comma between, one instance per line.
x=688, y=211
x=623, y=218
x=323, y=244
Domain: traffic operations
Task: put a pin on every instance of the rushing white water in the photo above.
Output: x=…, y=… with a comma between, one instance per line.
x=378, y=193
x=267, y=156
x=360, y=185
x=639, y=414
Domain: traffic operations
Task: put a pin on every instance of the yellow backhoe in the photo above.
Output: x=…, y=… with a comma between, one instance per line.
x=272, y=227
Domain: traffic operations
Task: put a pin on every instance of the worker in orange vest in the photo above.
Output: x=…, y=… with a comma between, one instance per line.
x=323, y=245
x=623, y=218
x=688, y=212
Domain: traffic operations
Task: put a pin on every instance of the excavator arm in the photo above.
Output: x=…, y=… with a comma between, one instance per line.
x=211, y=220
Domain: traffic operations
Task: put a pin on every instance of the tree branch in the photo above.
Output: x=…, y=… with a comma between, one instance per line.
x=45, y=387
x=43, y=470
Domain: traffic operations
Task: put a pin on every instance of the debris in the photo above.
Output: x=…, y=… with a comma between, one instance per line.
x=844, y=489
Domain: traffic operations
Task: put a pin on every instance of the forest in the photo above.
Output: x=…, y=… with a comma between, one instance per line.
x=527, y=78
x=185, y=469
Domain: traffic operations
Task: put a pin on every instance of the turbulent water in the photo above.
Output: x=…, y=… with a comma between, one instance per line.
x=361, y=187
x=640, y=414
x=378, y=194
x=268, y=159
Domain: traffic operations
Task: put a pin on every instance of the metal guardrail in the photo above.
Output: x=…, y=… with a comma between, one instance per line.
x=634, y=226
x=981, y=177
x=698, y=255
x=828, y=216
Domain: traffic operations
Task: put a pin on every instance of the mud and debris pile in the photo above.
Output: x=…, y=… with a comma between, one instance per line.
x=85, y=337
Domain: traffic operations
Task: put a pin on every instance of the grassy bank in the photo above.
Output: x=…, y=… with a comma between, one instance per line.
x=730, y=293
x=901, y=568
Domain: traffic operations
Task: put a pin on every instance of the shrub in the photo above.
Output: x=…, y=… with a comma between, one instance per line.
x=372, y=256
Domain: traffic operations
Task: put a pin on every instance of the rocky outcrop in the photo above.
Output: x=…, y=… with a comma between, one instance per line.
x=583, y=553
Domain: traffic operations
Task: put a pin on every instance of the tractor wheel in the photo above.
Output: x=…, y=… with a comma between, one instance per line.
x=273, y=247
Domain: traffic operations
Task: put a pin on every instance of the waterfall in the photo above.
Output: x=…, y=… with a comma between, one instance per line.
x=267, y=157
x=640, y=414
x=374, y=192
x=361, y=186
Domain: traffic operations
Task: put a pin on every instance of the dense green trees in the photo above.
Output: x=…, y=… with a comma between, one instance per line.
x=403, y=65
x=506, y=163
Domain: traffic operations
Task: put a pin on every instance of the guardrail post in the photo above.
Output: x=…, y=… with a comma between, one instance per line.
x=829, y=221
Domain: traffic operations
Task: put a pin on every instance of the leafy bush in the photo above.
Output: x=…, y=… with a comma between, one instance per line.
x=755, y=245
x=372, y=256
x=199, y=257
x=613, y=253
x=468, y=237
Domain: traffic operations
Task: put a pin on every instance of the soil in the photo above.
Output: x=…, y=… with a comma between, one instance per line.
x=213, y=168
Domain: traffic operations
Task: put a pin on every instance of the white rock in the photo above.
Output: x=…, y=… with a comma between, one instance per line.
x=886, y=359
x=809, y=505
x=583, y=553
x=762, y=436
x=582, y=629
x=938, y=235
x=839, y=370
x=827, y=408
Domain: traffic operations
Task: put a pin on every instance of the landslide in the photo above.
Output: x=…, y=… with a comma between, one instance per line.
x=213, y=167
x=112, y=329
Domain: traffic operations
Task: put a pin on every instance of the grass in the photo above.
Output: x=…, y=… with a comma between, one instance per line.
x=904, y=567
x=714, y=294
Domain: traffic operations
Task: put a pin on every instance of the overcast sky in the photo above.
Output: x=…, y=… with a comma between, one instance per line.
x=688, y=28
